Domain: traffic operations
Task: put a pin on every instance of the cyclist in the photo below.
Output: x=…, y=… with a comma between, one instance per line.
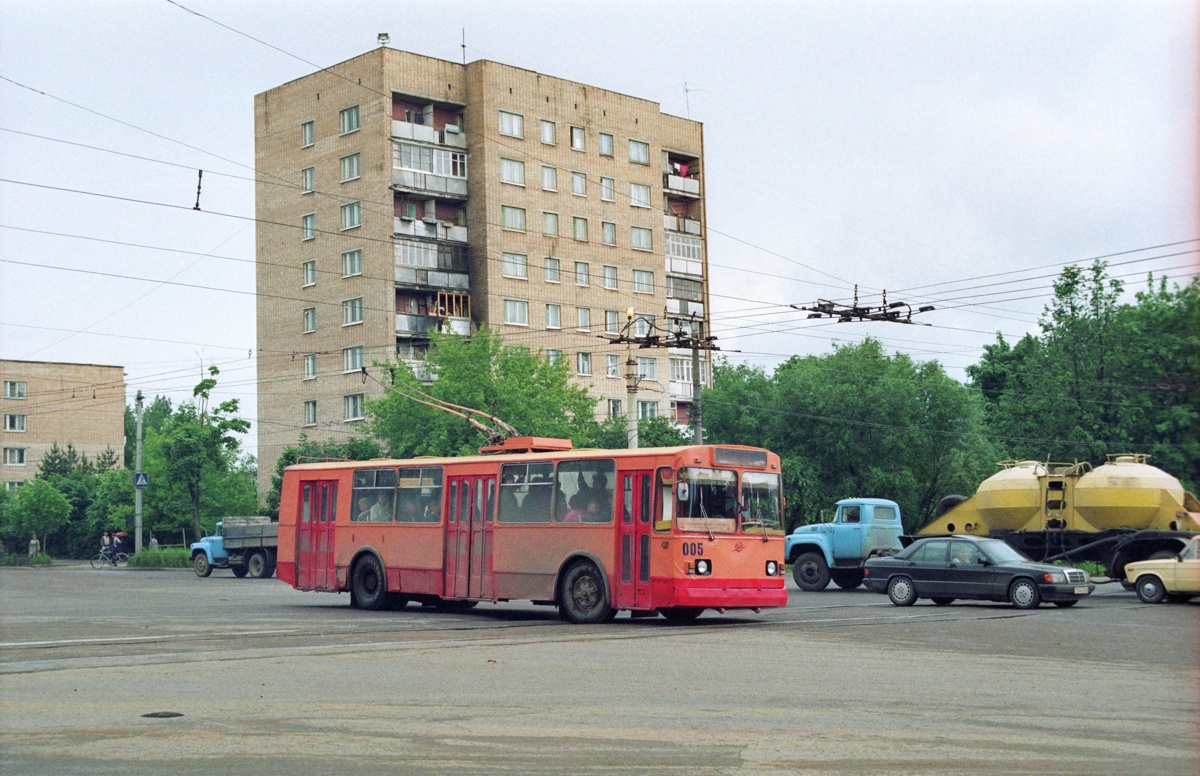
x=106, y=548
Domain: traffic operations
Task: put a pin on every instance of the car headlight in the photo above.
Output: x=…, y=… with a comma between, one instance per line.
x=1055, y=577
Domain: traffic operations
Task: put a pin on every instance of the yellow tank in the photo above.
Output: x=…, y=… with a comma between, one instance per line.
x=1127, y=492
x=1012, y=497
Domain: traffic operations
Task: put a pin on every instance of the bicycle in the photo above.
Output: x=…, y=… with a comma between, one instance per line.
x=104, y=559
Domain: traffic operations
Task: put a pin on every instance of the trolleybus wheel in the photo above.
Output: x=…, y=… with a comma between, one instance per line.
x=583, y=599
x=681, y=613
x=369, y=586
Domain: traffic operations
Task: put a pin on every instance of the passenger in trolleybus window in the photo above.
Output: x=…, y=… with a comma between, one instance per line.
x=382, y=511
x=364, y=509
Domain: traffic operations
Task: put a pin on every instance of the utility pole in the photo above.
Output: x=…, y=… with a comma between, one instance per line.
x=631, y=380
x=137, y=492
x=697, y=428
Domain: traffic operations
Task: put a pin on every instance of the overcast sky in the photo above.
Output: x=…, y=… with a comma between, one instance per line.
x=894, y=145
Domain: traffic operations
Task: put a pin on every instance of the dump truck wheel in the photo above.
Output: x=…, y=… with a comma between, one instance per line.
x=847, y=579
x=239, y=571
x=201, y=565
x=257, y=565
x=811, y=572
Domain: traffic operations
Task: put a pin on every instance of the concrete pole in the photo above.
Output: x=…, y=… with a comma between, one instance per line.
x=697, y=432
x=137, y=492
x=631, y=416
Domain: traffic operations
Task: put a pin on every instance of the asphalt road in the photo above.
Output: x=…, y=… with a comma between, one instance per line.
x=268, y=680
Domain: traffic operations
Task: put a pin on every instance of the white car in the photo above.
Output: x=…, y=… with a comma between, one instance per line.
x=1175, y=579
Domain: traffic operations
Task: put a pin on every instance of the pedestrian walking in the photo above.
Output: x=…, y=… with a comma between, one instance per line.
x=35, y=547
x=153, y=542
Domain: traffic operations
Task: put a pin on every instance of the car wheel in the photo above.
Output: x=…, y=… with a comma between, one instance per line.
x=847, y=579
x=811, y=572
x=1024, y=594
x=368, y=584
x=239, y=571
x=1150, y=589
x=1065, y=604
x=943, y=601
x=583, y=599
x=201, y=565
x=902, y=592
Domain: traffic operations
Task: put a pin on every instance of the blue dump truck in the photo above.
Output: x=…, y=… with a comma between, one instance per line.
x=244, y=545
x=862, y=528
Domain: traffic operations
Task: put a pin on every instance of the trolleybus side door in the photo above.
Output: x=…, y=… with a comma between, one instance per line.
x=633, y=539
x=483, y=515
x=315, y=536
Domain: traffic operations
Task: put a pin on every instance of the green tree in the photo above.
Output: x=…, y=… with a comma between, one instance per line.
x=199, y=440
x=652, y=432
x=39, y=508
x=353, y=449
x=154, y=416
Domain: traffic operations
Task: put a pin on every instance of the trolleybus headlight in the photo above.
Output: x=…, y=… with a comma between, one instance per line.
x=703, y=568
x=772, y=568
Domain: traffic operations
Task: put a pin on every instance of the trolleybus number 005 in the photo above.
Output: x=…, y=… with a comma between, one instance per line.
x=695, y=549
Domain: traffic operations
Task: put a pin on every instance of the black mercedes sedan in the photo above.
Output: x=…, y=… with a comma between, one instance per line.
x=950, y=567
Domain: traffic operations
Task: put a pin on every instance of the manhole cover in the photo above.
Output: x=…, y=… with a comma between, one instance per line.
x=162, y=714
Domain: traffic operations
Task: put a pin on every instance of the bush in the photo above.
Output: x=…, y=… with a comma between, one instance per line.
x=169, y=558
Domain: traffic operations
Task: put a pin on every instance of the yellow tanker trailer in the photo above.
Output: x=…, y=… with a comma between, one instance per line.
x=1117, y=513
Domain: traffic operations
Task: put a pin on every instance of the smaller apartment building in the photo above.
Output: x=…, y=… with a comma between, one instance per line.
x=47, y=403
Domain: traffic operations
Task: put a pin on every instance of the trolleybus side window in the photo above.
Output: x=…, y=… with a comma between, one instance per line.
x=706, y=500
x=585, y=491
x=373, y=496
x=306, y=504
x=526, y=491
x=453, y=516
x=761, y=503
x=665, y=488
x=419, y=499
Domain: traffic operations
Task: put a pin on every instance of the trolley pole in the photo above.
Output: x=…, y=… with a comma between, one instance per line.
x=137, y=492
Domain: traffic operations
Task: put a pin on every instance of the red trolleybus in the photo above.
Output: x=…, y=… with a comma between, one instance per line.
x=675, y=530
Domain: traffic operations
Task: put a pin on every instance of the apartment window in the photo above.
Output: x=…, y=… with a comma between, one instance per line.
x=684, y=247
x=647, y=368
x=606, y=144
x=516, y=312
x=512, y=218
x=553, y=267
x=612, y=365
x=584, y=316
x=352, y=263
x=610, y=277
x=608, y=233
x=612, y=322
x=353, y=404
x=553, y=356
x=352, y=311
x=307, y=134
x=647, y=410
x=643, y=281
x=14, y=423
x=512, y=124
x=350, y=167
x=583, y=363
x=579, y=184
x=549, y=179
x=681, y=371
x=582, y=273
x=310, y=366
x=14, y=456
x=683, y=288
x=351, y=215
x=514, y=265
x=308, y=179
x=639, y=195
x=450, y=164
x=310, y=272
x=14, y=389
x=310, y=320
x=349, y=120
x=639, y=152
x=310, y=413
x=512, y=171
x=550, y=224
x=553, y=316
x=352, y=359
x=641, y=238
x=577, y=137
x=308, y=226
x=418, y=253
x=547, y=128
x=608, y=190
x=579, y=228
x=614, y=408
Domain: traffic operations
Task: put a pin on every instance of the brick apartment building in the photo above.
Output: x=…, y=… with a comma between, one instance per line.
x=399, y=194
x=46, y=403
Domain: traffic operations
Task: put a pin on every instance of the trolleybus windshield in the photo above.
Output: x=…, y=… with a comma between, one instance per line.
x=761, y=503
x=706, y=500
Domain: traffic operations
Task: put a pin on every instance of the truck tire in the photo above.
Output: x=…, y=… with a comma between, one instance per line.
x=201, y=565
x=257, y=565
x=811, y=572
x=239, y=571
x=946, y=504
x=270, y=571
x=847, y=579
x=368, y=586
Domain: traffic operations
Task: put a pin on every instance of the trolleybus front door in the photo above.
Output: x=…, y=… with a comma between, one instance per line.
x=633, y=540
x=314, y=539
x=469, y=537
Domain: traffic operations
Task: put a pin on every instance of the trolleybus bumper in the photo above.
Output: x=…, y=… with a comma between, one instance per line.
x=729, y=593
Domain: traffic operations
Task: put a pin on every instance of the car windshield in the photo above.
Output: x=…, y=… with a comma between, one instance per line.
x=999, y=552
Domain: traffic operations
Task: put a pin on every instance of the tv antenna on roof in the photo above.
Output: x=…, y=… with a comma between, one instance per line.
x=383, y=38
x=687, y=102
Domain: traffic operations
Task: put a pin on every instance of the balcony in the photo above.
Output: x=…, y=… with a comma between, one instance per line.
x=421, y=325
x=681, y=390
x=681, y=224
x=675, y=184
x=684, y=307
x=433, y=278
x=684, y=266
x=428, y=182
x=424, y=133
x=433, y=230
